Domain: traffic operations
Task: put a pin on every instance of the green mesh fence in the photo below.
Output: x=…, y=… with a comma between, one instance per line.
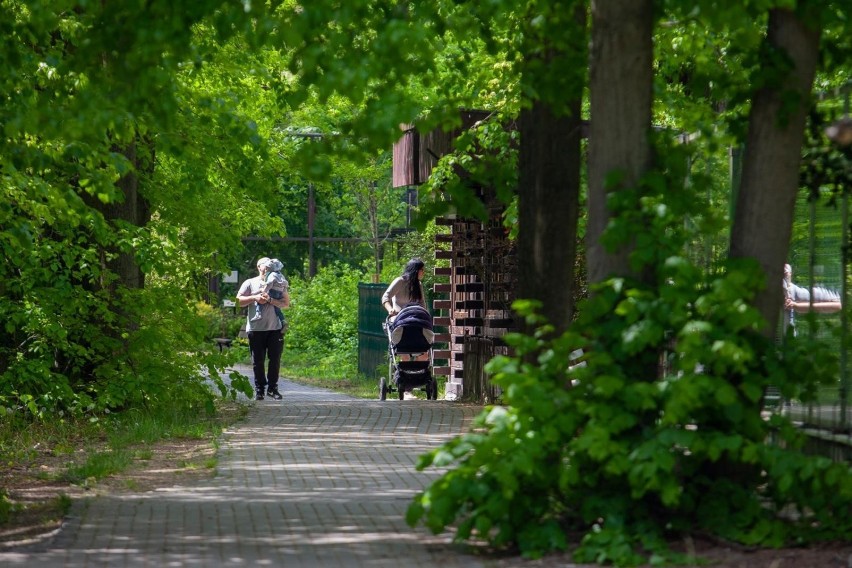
x=372, y=341
x=817, y=241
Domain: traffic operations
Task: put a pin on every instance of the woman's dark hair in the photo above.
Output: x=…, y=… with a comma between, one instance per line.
x=414, y=266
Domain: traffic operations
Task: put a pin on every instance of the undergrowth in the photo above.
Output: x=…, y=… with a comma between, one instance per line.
x=109, y=442
x=629, y=457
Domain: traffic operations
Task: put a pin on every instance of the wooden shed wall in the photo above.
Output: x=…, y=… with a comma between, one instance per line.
x=415, y=154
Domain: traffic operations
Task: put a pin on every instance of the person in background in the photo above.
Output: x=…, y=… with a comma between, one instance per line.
x=265, y=335
x=405, y=289
x=798, y=299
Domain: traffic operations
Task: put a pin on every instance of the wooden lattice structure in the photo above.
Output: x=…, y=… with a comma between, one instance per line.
x=473, y=295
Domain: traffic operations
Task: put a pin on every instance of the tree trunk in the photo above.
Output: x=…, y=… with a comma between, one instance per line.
x=549, y=162
x=548, y=204
x=763, y=214
x=131, y=209
x=621, y=94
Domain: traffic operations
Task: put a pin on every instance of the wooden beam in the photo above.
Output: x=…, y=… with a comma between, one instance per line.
x=500, y=323
x=470, y=287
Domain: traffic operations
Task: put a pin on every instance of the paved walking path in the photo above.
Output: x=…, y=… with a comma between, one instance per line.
x=316, y=480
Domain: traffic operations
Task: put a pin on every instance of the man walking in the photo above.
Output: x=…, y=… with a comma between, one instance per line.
x=265, y=334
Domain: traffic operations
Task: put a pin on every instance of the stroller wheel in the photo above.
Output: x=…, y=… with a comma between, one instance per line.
x=383, y=389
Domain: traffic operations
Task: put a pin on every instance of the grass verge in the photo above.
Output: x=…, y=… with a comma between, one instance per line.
x=44, y=465
x=337, y=375
x=333, y=374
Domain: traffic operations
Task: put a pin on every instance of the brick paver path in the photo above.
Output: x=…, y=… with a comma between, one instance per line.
x=316, y=480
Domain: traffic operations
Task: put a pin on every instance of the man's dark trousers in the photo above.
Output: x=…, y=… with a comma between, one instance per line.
x=265, y=344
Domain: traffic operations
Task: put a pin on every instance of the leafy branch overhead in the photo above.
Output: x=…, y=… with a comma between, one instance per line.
x=655, y=146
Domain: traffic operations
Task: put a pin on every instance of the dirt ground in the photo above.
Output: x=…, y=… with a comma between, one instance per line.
x=38, y=492
x=714, y=554
x=175, y=462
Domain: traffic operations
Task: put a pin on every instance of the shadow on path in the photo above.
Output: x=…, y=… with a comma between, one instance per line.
x=318, y=479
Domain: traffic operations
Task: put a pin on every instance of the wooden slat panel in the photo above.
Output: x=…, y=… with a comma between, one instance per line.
x=442, y=354
x=442, y=371
x=469, y=322
x=442, y=288
x=441, y=320
x=442, y=304
x=442, y=338
x=470, y=287
x=470, y=305
x=470, y=252
x=443, y=271
x=444, y=221
x=444, y=254
x=406, y=158
x=500, y=323
x=497, y=336
x=444, y=238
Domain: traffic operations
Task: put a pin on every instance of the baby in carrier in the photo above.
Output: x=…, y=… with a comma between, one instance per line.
x=274, y=286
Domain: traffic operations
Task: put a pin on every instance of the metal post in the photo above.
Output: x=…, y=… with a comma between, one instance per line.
x=312, y=265
x=844, y=255
x=844, y=330
x=811, y=255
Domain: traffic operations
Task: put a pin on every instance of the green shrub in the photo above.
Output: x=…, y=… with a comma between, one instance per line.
x=221, y=322
x=628, y=456
x=85, y=353
x=323, y=317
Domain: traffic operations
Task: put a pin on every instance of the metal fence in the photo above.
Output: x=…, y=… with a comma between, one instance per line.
x=816, y=255
x=372, y=341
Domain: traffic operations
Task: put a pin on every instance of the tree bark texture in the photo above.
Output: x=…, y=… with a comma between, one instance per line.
x=763, y=214
x=621, y=95
x=132, y=209
x=548, y=209
x=550, y=160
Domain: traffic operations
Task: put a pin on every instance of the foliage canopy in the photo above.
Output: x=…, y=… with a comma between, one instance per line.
x=141, y=142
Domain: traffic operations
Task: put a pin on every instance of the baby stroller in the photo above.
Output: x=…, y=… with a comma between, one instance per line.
x=410, y=337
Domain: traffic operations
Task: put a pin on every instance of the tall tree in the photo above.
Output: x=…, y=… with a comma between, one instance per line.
x=621, y=96
x=549, y=158
x=763, y=216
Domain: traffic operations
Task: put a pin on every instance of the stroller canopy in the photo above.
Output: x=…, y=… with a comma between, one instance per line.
x=413, y=315
x=411, y=331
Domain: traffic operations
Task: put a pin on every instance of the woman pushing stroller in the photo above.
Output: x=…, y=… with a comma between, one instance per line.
x=406, y=289
x=409, y=329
